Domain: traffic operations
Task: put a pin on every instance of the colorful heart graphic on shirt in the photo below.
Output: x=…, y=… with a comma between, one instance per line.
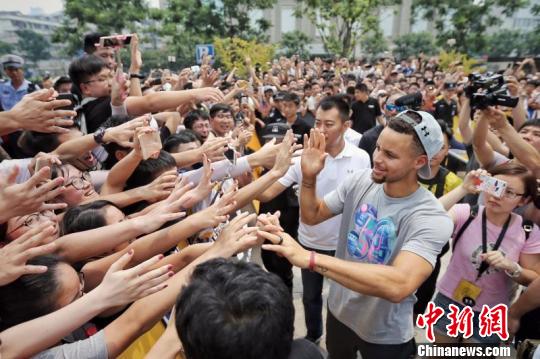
x=371, y=240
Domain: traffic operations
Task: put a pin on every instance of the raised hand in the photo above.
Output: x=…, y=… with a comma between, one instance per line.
x=37, y=112
x=284, y=245
x=36, y=242
x=30, y=196
x=203, y=189
x=211, y=94
x=161, y=187
x=218, y=212
x=284, y=155
x=236, y=236
x=313, y=155
x=122, y=286
x=124, y=133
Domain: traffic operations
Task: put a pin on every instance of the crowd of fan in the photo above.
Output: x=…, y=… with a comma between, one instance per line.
x=127, y=199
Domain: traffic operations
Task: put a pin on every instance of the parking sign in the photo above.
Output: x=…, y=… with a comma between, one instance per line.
x=201, y=50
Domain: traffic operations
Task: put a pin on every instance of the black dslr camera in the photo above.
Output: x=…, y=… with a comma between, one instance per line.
x=489, y=90
x=410, y=101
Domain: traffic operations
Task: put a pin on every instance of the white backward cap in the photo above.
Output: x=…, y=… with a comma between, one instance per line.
x=429, y=132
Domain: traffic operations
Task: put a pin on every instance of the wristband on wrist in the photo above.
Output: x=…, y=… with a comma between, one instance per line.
x=312, y=261
x=136, y=76
x=98, y=135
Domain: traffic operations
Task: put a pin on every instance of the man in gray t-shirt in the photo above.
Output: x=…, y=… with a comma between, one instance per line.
x=391, y=232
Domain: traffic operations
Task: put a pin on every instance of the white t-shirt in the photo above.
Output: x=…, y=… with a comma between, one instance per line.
x=324, y=236
x=353, y=136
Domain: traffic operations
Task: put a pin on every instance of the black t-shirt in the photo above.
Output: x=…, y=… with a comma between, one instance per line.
x=445, y=111
x=96, y=112
x=300, y=127
x=364, y=114
x=368, y=141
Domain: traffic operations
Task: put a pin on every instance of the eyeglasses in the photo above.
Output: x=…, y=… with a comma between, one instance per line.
x=79, y=182
x=32, y=220
x=224, y=115
x=511, y=194
x=101, y=79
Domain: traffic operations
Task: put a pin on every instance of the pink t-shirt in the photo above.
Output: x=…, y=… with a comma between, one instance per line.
x=496, y=285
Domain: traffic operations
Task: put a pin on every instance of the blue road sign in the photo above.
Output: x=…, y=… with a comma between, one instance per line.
x=201, y=50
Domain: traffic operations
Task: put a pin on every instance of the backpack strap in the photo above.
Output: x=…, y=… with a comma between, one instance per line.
x=441, y=182
x=528, y=227
x=472, y=216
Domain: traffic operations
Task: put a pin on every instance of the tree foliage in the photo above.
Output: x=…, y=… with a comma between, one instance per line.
x=466, y=21
x=34, y=46
x=373, y=43
x=295, y=42
x=232, y=52
x=6, y=48
x=413, y=44
x=339, y=22
x=185, y=23
x=513, y=43
x=106, y=16
x=449, y=61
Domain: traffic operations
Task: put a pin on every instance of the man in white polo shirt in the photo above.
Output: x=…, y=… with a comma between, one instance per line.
x=343, y=159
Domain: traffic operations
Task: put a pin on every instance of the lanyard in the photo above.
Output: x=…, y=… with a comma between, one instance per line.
x=484, y=265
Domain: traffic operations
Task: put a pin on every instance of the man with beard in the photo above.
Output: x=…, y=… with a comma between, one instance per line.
x=391, y=232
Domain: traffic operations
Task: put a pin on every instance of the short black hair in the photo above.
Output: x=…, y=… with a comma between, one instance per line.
x=81, y=69
x=173, y=141
x=194, y=116
x=446, y=130
x=150, y=169
x=234, y=309
x=361, y=87
x=61, y=81
x=112, y=147
x=530, y=123
x=218, y=107
x=339, y=103
x=85, y=217
x=290, y=97
x=31, y=295
x=90, y=41
x=400, y=126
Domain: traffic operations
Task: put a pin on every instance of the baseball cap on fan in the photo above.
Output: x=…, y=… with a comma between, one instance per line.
x=429, y=132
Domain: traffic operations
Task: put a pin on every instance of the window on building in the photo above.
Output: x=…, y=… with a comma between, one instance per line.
x=288, y=21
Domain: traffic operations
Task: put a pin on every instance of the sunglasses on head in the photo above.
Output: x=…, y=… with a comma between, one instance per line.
x=392, y=107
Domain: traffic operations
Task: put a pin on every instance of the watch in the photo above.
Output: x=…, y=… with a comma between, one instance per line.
x=516, y=273
x=137, y=76
x=98, y=135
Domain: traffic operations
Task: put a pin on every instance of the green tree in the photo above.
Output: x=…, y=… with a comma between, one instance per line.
x=34, y=46
x=414, y=43
x=373, y=43
x=106, y=16
x=506, y=43
x=6, y=48
x=338, y=22
x=295, y=42
x=466, y=21
x=185, y=23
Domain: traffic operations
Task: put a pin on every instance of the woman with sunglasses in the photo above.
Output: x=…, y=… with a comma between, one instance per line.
x=492, y=253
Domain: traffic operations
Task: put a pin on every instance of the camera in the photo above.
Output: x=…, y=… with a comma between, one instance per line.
x=489, y=90
x=411, y=101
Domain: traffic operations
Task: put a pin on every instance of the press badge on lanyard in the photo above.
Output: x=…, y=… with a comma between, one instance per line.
x=467, y=292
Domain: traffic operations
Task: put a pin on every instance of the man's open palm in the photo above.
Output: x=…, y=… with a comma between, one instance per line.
x=313, y=155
